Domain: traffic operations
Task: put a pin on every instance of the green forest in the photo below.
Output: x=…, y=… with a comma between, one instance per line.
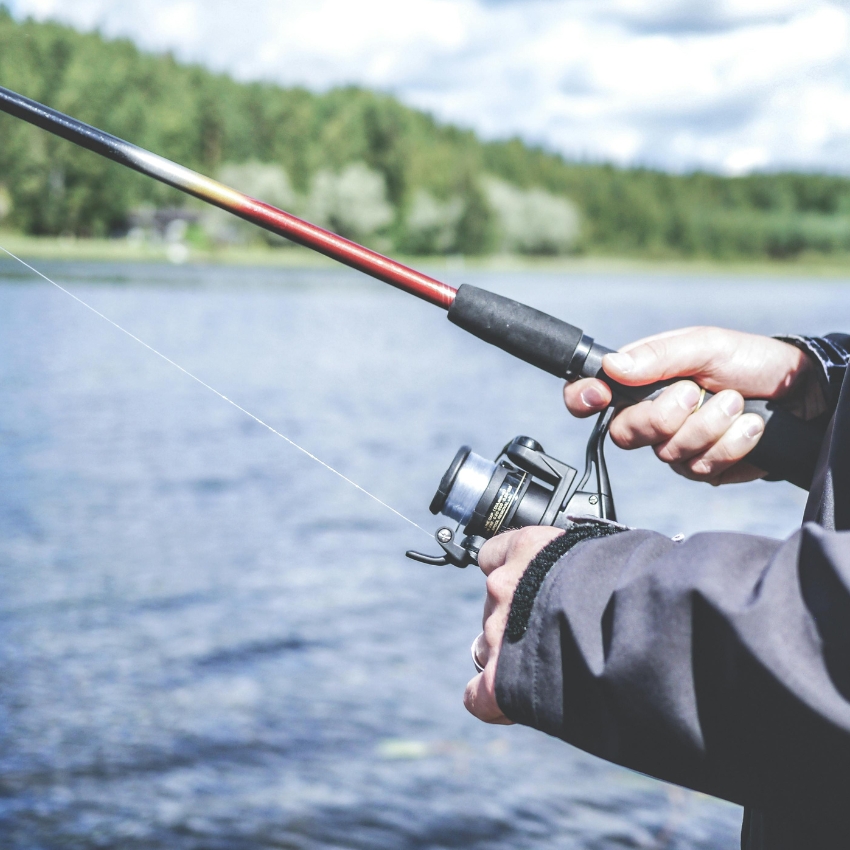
x=364, y=165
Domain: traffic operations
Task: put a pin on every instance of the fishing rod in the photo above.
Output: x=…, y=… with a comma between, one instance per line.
x=524, y=486
x=212, y=192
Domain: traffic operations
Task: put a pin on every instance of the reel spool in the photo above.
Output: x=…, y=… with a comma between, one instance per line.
x=523, y=486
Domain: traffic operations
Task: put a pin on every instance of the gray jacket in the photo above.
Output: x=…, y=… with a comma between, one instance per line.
x=721, y=663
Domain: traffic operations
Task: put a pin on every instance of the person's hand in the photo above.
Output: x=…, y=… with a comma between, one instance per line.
x=503, y=559
x=706, y=444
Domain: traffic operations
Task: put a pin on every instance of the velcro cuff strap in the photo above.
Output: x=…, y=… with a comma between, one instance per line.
x=533, y=578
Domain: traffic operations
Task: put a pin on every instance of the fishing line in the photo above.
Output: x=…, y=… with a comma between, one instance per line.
x=214, y=390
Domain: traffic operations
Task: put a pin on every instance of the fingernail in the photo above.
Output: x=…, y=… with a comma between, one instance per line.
x=731, y=403
x=688, y=397
x=591, y=397
x=701, y=468
x=754, y=427
x=621, y=362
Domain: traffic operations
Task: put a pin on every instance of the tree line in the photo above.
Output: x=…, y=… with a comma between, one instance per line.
x=365, y=165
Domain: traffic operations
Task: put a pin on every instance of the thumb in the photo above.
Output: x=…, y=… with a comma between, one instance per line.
x=494, y=553
x=677, y=355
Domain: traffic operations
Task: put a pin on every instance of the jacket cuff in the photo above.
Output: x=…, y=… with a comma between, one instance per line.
x=830, y=354
x=533, y=578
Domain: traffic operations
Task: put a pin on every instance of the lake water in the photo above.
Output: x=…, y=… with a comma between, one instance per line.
x=209, y=641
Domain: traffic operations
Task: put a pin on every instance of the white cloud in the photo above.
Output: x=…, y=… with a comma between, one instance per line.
x=724, y=84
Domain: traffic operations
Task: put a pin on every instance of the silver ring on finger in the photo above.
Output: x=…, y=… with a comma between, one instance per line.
x=474, y=652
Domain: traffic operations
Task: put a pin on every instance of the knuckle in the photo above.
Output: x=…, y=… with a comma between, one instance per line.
x=668, y=452
x=520, y=539
x=620, y=435
x=497, y=585
x=659, y=422
x=731, y=403
x=658, y=348
x=489, y=556
x=623, y=431
x=722, y=452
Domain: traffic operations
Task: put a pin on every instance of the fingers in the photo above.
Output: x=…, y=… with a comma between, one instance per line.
x=494, y=552
x=480, y=694
x=699, y=444
x=733, y=445
x=703, y=429
x=503, y=559
x=586, y=397
x=653, y=422
x=518, y=547
x=480, y=650
x=714, y=439
x=488, y=642
x=706, y=444
x=717, y=359
x=480, y=699
x=737, y=474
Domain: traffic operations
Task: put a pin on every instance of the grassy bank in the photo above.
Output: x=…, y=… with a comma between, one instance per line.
x=35, y=248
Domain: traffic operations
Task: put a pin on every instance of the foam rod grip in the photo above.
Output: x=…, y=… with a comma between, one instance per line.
x=526, y=333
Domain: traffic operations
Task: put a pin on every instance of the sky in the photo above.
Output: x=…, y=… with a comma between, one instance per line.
x=727, y=85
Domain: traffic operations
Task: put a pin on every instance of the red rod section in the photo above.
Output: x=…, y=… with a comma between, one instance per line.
x=350, y=253
x=277, y=221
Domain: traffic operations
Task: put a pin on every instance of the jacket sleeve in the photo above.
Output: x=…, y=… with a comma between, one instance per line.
x=721, y=663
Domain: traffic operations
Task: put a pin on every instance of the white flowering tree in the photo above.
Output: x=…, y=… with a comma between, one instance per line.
x=431, y=224
x=352, y=202
x=532, y=221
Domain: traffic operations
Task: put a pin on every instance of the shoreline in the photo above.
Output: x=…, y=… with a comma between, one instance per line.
x=71, y=249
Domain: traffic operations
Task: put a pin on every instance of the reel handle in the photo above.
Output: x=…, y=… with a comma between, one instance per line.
x=788, y=448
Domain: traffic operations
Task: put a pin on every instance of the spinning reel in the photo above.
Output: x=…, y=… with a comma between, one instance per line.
x=523, y=486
